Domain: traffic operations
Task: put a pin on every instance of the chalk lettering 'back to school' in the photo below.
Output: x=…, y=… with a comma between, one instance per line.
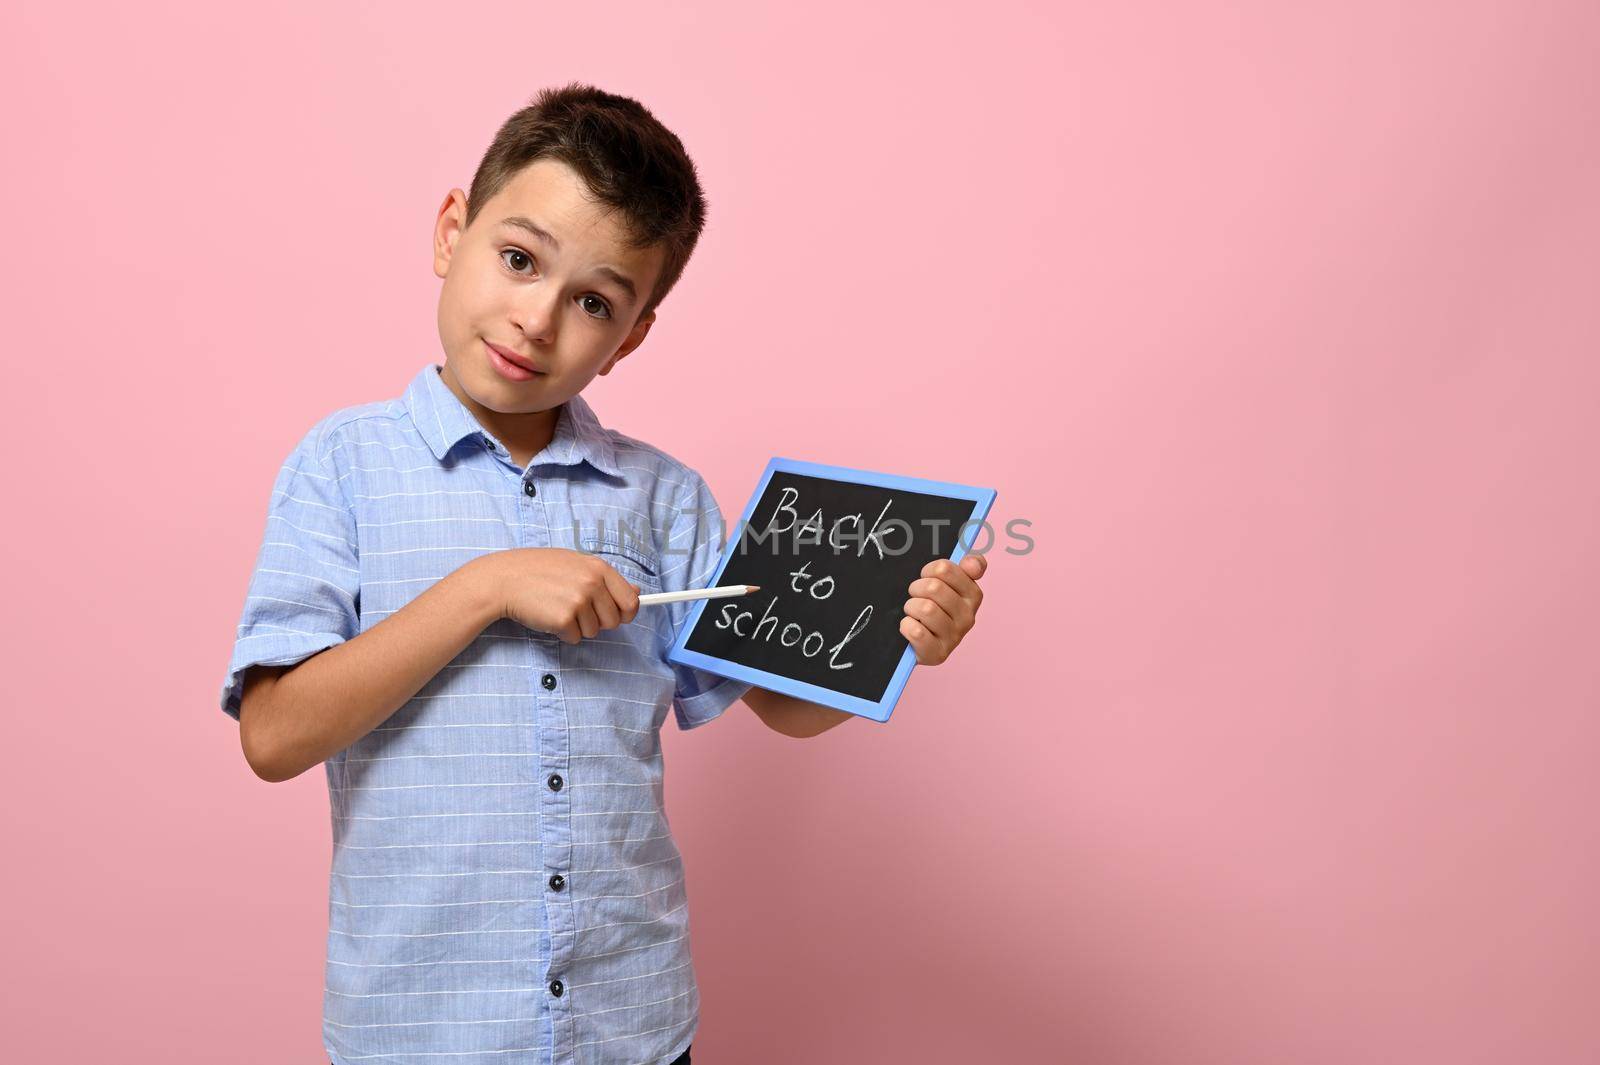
x=833, y=559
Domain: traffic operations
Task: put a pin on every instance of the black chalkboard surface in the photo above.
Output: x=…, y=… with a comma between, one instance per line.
x=833, y=550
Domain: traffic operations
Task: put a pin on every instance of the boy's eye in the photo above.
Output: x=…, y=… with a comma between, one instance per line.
x=592, y=304
x=519, y=253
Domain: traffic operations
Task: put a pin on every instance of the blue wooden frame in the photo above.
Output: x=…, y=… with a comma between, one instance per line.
x=879, y=710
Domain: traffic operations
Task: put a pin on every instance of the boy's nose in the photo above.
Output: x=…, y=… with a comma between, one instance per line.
x=535, y=316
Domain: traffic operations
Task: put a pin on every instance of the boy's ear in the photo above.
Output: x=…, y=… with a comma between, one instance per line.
x=635, y=337
x=447, y=230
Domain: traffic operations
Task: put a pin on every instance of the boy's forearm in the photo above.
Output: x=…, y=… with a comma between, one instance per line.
x=791, y=716
x=299, y=718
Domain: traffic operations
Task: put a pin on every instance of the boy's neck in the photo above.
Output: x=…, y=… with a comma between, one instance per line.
x=524, y=435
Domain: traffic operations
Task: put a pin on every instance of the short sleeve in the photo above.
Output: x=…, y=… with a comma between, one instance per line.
x=303, y=596
x=692, y=554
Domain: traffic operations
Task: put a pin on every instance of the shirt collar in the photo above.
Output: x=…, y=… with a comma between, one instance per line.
x=444, y=422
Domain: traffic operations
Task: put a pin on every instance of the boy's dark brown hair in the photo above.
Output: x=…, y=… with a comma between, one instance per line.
x=627, y=158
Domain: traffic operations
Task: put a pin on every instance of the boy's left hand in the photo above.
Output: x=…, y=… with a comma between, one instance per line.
x=944, y=604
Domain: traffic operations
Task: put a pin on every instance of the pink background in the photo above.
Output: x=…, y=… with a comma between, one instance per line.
x=1279, y=325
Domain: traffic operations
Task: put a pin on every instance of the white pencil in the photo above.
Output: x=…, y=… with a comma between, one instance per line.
x=653, y=598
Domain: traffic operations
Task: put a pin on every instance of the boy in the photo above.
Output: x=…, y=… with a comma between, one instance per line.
x=486, y=699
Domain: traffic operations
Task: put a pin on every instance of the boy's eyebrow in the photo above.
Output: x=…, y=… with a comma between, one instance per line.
x=620, y=280
x=532, y=227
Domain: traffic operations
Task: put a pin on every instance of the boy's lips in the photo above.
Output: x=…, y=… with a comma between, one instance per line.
x=513, y=358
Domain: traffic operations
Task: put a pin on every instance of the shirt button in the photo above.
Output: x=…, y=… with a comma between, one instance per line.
x=528, y=489
x=557, y=882
x=549, y=682
x=554, y=782
x=556, y=988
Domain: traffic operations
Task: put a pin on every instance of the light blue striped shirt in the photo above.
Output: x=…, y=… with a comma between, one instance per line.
x=505, y=887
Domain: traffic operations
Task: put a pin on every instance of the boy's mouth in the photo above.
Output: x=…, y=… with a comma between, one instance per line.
x=510, y=364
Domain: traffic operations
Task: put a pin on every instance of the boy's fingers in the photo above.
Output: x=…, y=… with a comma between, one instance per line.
x=588, y=624
x=624, y=593
x=956, y=577
x=941, y=593
x=974, y=565
x=930, y=651
x=932, y=616
x=606, y=610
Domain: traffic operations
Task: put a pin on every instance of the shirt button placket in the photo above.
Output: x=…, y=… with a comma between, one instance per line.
x=557, y=881
x=540, y=513
x=560, y=918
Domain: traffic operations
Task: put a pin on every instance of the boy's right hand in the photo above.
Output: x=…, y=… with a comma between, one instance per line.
x=569, y=593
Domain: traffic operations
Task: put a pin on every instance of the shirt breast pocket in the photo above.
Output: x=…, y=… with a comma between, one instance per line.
x=637, y=564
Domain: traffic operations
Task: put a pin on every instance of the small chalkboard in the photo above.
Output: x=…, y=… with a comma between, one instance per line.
x=833, y=550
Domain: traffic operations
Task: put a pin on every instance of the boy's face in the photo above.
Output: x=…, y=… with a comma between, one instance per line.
x=566, y=302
